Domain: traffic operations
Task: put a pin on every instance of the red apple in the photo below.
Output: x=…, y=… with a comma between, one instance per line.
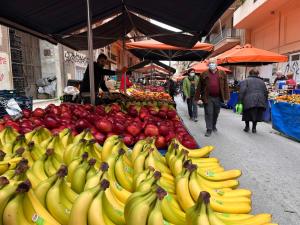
x=189, y=144
x=162, y=114
x=160, y=142
x=37, y=121
x=134, y=129
x=100, y=138
x=50, y=122
x=151, y=130
x=118, y=128
x=163, y=130
x=26, y=113
x=171, y=114
x=128, y=139
x=142, y=136
x=82, y=124
x=38, y=112
x=170, y=136
x=104, y=125
x=115, y=107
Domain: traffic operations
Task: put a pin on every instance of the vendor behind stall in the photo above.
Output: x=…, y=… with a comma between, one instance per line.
x=290, y=81
x=99, y=73
x=279, y=76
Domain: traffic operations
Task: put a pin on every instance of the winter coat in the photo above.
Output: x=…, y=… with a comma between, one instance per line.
x=253, y=93
x=203, y=87
x=187, y=86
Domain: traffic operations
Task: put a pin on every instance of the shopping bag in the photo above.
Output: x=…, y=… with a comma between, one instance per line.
x=239, y=108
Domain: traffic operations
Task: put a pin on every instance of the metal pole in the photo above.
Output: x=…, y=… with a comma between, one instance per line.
x=91, y=54
x=123, y=63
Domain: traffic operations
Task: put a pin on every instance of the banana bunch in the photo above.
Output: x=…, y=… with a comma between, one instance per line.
x=89, y=208
x=18, y=173
x=7, y=137
x=202, y=213
x=145, y=207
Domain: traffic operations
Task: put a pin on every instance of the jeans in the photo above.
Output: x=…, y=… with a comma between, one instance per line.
x=212, y=110
x=192, y=108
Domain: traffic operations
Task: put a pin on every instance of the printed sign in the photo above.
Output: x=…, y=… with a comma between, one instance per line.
x=4, y=71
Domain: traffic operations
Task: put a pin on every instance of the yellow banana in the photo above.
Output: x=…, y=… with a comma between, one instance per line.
x=172, y=211
x=125, y=181
x=108, y=145
x=155, y=216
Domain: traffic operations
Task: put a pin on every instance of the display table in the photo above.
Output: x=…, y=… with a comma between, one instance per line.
x=286, y=119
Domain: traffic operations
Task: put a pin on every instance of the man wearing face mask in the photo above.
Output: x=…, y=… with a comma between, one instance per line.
x=213, y=90
x=189, y=89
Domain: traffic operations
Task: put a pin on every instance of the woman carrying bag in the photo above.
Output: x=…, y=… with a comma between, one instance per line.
x=253, y=97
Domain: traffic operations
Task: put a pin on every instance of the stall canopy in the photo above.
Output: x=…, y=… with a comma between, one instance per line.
x=152, y=69
x=203, y=66
x=120, y=26
x=248, y=55
x=154, y=50
x=48, y=19
x=149, y=62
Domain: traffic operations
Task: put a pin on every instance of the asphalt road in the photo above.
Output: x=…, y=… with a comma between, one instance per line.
x=270, y=163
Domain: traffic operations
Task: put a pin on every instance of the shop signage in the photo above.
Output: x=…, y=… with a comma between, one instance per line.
x=76, y=58
x=4, y=71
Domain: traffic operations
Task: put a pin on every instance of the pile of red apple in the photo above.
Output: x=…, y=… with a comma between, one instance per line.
x=132, y=121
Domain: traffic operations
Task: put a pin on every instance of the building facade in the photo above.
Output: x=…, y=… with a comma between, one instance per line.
x=24, y=59
x=273, y=25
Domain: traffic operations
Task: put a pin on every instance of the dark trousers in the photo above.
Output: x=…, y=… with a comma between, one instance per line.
x=212, y=110
x=192, y=108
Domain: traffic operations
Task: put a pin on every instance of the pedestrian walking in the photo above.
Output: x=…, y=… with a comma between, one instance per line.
x=213, y=90
x=253, y=96
x=170, y=87
x=190, y=84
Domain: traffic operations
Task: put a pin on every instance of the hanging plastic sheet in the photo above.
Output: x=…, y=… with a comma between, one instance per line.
x=286, y=119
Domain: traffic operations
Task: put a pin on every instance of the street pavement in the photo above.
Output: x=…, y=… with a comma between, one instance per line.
x=270, y=163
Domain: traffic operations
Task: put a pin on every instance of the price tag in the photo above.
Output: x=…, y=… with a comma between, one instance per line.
x=12, y=108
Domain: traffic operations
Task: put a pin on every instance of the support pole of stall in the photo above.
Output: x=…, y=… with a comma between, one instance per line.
x=123, y=64
x=91, y=54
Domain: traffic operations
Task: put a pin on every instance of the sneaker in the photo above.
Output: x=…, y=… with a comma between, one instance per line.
x=195, y=120
x=208, y=133
x=254, y=130
x=215, y=130
x=246, y=129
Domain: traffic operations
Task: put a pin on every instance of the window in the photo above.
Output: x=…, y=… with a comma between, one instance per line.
x=295, y=57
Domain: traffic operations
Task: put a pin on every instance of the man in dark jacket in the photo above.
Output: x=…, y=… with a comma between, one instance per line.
x=213, y=90
x=99, y=73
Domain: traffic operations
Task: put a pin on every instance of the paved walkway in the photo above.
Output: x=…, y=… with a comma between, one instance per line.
x=270, y=163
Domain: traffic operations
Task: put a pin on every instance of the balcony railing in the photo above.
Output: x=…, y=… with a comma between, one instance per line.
x=226, y=33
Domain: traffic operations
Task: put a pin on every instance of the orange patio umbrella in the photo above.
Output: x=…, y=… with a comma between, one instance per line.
x=203, y=66
x=152, y=44
x=150, y=68
x=248, y=55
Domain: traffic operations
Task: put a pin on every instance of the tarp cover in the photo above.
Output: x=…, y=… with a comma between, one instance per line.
x=46, y=18
x=286, y=119
x=122, y=25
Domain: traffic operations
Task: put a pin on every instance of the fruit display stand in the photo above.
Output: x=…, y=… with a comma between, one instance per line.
x=286, y=116
x=119, y=185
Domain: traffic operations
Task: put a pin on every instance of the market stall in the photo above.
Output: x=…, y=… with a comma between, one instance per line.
x=286, y=115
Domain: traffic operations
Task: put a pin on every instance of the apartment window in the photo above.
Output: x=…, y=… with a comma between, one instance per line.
x=47, y=52
x=295, y=57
